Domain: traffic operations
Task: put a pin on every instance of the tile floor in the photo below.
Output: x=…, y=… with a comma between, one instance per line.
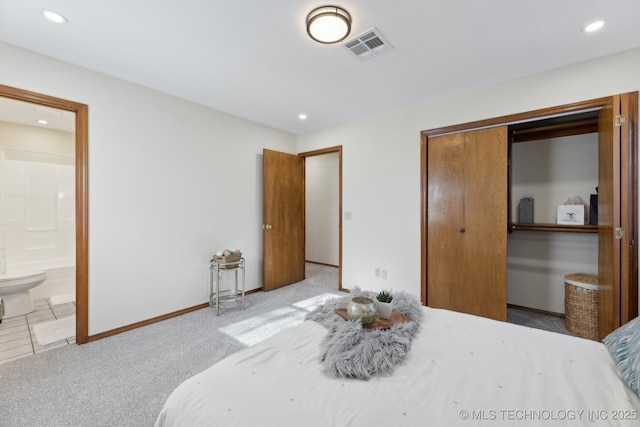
x=17, y=338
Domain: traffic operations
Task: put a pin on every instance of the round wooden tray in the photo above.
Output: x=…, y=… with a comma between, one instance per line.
x=380, y=323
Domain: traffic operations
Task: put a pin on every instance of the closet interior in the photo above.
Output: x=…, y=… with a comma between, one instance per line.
x=552, y=162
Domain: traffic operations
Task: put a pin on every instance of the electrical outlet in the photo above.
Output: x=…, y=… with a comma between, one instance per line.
x=347, y=215
x=383, y=274
x=376, y=271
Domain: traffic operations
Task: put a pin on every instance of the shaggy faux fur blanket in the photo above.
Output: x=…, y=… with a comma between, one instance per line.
x=349, y=351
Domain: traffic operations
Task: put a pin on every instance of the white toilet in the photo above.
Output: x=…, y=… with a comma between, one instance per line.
x=14, y=291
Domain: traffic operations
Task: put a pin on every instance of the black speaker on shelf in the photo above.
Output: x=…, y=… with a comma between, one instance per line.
x=525, y=210
x=593, y=209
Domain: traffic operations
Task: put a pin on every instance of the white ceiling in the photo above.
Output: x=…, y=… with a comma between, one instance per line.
x=28, y=114
x=252, y=58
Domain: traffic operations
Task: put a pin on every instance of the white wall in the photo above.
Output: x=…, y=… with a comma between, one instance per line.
x=381, y=160
x=322, y=208
x=550, y=171
x=170, y=182
x=553, y=170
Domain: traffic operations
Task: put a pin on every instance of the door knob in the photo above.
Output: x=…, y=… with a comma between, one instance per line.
x=462, y=230
x=267, y=226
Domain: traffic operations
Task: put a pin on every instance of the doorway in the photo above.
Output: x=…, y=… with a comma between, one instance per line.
x=553, y=162
x=81, y=194
x=323, y=207
x=284, y=216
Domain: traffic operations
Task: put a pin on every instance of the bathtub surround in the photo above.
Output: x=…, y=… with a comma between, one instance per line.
x=61, y=280
x=40, y=218
x=37, y=226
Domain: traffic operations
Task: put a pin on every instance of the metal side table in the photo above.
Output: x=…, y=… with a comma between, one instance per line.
x=226, y=297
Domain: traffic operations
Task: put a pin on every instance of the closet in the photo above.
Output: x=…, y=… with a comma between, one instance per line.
x=466, y=206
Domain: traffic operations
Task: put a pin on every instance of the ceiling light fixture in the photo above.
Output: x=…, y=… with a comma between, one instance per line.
x=302, y=116
x=43, y=122
x=328, y=24
x=54, y=17
x=594, y=26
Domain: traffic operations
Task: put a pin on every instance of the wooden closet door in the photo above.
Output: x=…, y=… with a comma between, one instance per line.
x=467, y=222
x=445, y=217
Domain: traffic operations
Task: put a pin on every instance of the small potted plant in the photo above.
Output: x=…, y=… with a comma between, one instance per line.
x=384, y=304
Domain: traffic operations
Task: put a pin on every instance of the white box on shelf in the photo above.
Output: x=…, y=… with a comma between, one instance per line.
x=571, y=214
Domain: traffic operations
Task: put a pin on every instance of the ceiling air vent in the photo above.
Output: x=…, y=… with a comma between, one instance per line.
x=368, y=44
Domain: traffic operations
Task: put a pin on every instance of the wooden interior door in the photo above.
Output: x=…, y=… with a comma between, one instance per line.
x=608, y=220
x=445, y=216
x=283, y=216
x=617, y=219
x=617, y=213
x=467, y=222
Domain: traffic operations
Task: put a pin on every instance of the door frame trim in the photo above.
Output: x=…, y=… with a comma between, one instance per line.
x=81, y=112
x=329, y=150
x=629, y=296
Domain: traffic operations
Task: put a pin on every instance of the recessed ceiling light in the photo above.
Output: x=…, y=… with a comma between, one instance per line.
x=54, y=17
x=594, y=26
x=43, y=122
x=302, y=116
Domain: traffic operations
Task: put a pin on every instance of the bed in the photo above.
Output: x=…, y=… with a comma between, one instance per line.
x=461, y=370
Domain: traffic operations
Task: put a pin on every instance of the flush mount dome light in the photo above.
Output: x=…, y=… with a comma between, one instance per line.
x=328, y=24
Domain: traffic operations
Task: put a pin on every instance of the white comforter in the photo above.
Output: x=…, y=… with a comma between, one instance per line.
x=462, y=370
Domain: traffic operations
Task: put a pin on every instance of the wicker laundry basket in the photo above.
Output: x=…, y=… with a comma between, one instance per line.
x=581, y=304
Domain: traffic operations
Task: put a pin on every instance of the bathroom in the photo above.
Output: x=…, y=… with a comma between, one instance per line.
x=37, y=224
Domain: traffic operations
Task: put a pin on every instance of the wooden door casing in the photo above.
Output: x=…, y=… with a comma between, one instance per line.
x=81, y=112
x=466, y=221
x=283, y=219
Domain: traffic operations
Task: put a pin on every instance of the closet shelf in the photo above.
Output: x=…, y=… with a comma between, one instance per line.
x=586, y=228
